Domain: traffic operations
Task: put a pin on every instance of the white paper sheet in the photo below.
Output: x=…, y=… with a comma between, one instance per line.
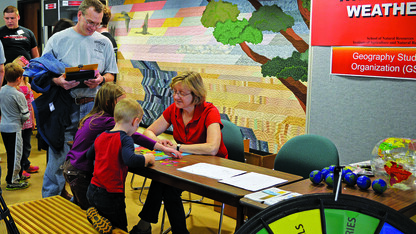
x=253, y=181
x=211, y=171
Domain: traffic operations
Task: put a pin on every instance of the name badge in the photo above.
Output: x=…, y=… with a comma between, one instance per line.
x=51, y=107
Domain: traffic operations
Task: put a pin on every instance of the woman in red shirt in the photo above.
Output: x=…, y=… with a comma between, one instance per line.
x=196, y=130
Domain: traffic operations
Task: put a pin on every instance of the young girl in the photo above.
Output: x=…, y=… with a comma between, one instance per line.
x=77, y=168
x=29, y=125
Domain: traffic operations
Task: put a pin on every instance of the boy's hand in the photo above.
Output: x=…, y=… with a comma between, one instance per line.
x=149, y=159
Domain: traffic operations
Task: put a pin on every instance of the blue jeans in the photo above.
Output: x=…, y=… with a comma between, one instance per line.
x=53, y=179
x=110, y=205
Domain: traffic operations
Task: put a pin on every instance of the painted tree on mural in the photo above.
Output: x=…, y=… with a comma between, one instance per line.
x=231, y=31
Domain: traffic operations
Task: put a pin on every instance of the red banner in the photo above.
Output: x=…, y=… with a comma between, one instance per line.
x=50, y=6
x=71, y=3
x=371, y=61
x=378, y=23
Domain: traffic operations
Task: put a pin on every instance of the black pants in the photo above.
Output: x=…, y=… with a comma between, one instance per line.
x=13, y=144
x=27, y=148
x=172, y=201
x=109, y=205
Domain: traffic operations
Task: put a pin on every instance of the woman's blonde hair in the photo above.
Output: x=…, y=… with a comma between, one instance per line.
x=193, y=81
x=105, y=101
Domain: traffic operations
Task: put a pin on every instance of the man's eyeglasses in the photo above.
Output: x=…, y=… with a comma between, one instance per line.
x=90, y=23
x=180, y=93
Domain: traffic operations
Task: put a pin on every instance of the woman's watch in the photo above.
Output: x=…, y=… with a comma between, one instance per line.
x=178, y=146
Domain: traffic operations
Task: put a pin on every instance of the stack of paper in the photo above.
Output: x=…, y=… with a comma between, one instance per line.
x=249, y=181
x=211, y=171
x=271, y=196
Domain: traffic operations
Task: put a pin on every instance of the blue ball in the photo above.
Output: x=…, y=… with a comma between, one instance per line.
x=325, y=172
x=331, y=168
x=344, y=172
x=316, y=176
x=329, y=179
x=379, y=185
x=350, y=178
x=363, y=182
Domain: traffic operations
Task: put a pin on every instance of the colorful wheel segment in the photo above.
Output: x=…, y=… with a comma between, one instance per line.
x=320, y=213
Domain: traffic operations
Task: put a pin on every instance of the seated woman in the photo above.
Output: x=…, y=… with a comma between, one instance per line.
x=196, y=130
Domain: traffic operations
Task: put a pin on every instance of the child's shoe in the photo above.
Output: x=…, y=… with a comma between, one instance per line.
x=26, y=174
x=100, y=223
x=24, y=178
x=33, y=169
x=16, y=186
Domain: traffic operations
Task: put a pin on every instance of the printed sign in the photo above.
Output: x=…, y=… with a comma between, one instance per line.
x=50, y=6
x=371, y=61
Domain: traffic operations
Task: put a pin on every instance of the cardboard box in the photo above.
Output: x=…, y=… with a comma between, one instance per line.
x=260, y=158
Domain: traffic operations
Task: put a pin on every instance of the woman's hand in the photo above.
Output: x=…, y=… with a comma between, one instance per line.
x=165, y=142
x=169, y=150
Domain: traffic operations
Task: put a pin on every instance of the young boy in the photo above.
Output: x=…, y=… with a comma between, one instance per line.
x=14, y=112
x=114, y=153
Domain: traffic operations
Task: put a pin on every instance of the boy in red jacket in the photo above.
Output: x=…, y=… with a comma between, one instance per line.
x=114, y=153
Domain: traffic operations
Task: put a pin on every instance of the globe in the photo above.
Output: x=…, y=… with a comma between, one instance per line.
x=331, y=168
x=329, y=179
x=379, y=185
x=350, y=178
x=325, y=171
x=394, y=161
x=344, y=172
x=316, y=176
x=363, y=182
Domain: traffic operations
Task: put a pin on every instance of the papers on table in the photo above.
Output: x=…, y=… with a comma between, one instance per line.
x=211, y=171
x=253, y=181
x=271, y=196
x=249, y=181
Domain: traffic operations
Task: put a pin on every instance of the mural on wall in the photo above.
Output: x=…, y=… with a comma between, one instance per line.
x=252, y=55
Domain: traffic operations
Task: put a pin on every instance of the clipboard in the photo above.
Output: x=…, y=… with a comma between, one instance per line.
x=81, y=73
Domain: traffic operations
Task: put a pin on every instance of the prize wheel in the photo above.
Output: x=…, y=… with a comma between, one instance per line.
x=320, y=213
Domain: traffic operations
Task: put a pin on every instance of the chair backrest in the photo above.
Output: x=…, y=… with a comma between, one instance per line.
x=305, y=153
x=233, y=140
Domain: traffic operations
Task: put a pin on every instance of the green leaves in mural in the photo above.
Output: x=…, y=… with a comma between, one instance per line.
x=219, y=12
x=306, y=4
x=236, y=32
x=295, y=67
x=271, y=18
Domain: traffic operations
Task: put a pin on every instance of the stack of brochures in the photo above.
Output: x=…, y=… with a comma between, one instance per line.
x=271, y=196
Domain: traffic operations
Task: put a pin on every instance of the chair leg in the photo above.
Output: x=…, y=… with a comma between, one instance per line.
x=221, y=216
x=6, y=216
x=141, y=189
x=187, y=215
x=136, y=188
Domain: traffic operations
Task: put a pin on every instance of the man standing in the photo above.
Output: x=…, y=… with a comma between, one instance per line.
x=17, y=40
x=2, y=62
x=77, y=45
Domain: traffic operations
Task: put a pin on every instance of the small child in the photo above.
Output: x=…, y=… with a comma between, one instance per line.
x=29, y=125
x=114, y=153
x=14, y=112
